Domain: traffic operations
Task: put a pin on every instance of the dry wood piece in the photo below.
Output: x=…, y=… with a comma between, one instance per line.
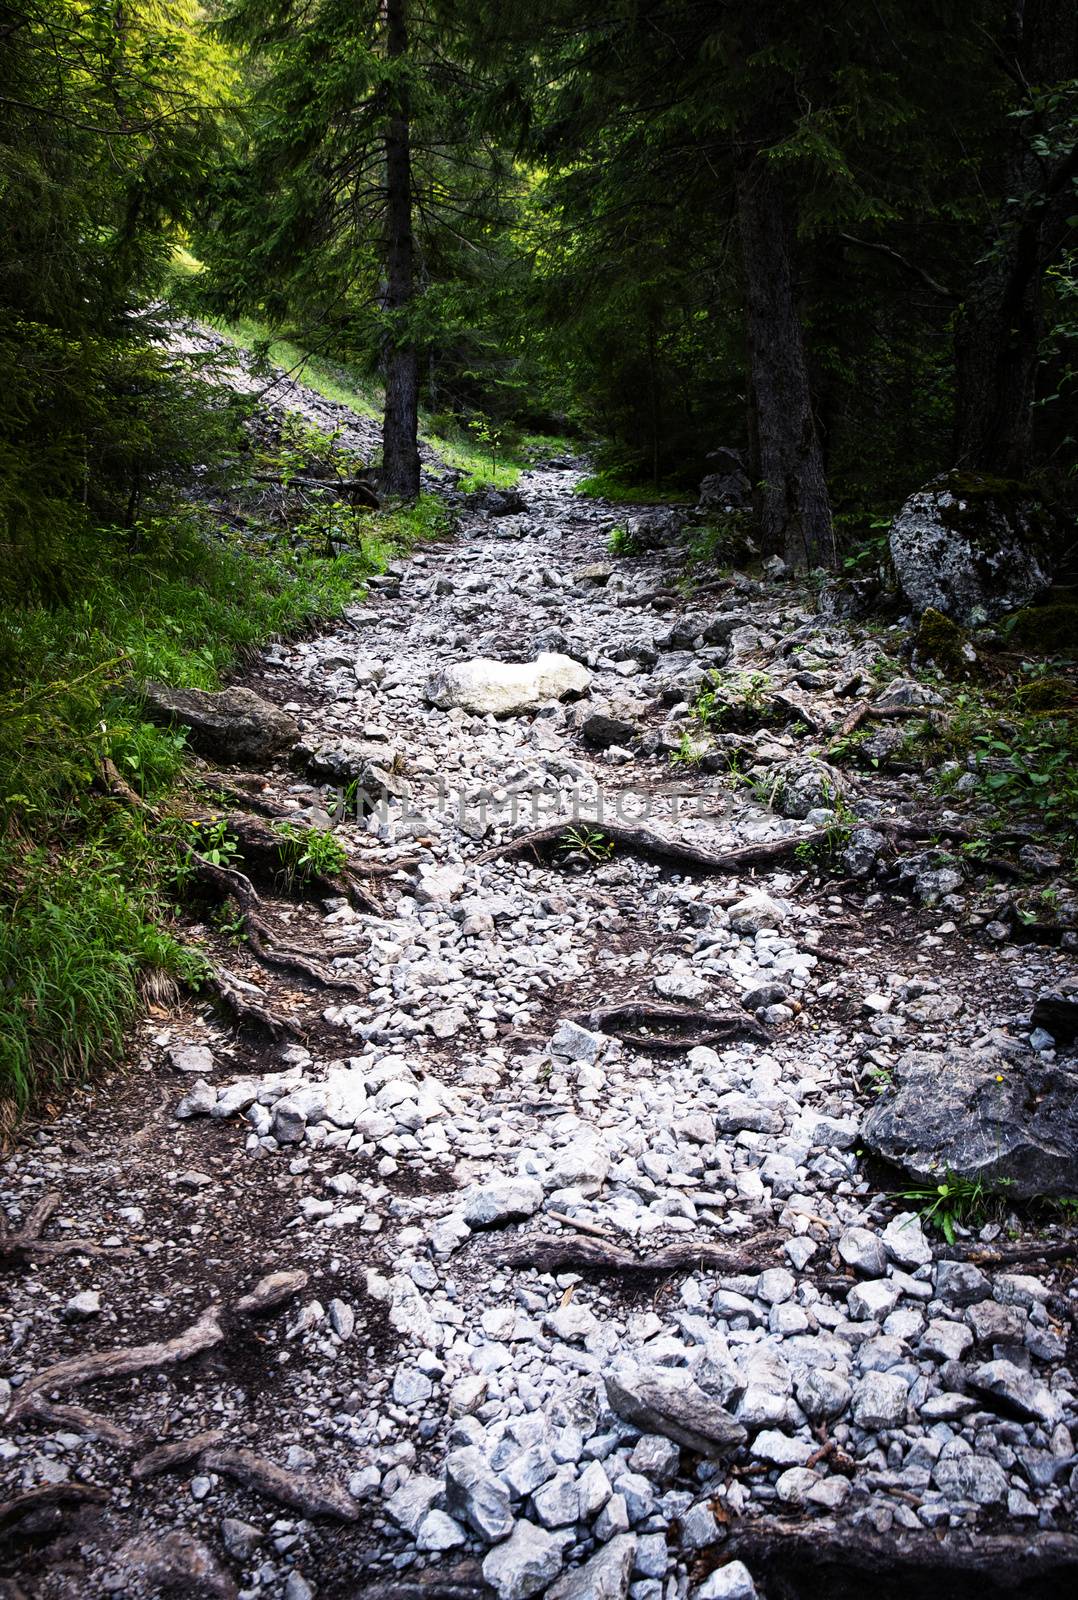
x=543, y=842
x=72, y=1374
x=997, y=1256
x=78, y=1419
x=270, y=1292
x=176, y=1453
x=684, y=1028
x=50, y=1497
x=26, y=1246
x=565, y=1252
x=298, y=1490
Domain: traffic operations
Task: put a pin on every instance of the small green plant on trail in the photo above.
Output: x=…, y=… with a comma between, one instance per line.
x=310, y=850
x=736, y=704
x=591, y=843
x=954, y=1203
x=213, y=842
x=621, y=542
x=688, y=752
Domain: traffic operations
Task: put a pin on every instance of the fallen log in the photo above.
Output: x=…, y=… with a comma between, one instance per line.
x=49, y=1497
x=123, y=1363
x=543, y=842
x=360, y=490
x=628, y=1020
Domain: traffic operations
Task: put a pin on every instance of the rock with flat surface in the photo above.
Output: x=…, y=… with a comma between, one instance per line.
x=668, y=1400
x=489, y=1205
x=505, y=688
x=234, y=725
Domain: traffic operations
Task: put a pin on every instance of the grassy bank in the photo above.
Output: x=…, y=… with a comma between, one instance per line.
x=88, y=887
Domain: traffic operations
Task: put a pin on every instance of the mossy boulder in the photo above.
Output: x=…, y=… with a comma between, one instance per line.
x=941, y=643
x=971, y=548
x=1046, y=630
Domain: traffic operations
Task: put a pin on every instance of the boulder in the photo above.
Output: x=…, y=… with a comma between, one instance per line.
x=806, y=785
x=504, y=688
x=969, y=547
x=654, y=529
x=981, y=1117
x=500, y=502
x=346, y=761
x=233, y=725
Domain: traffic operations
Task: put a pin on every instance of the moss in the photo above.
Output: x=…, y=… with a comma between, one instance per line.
x=1046, y=694
x=943, y=643
x=1047, y=630
x=980, y=504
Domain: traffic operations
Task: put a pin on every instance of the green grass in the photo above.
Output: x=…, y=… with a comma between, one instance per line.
x=610, y=486
x=87, y=886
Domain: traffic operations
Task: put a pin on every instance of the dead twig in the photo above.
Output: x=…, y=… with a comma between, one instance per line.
x=562, y=1252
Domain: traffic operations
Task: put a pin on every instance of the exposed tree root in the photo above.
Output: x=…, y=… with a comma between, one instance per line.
x=245, y=1003
x=298, y=1490
x=270, y=1292
x=78, y=1420
x=803, y=1559
x=560, y=1253
x=989, y=1255
x=685, y=1027
x=176, y=1453
x=51, y=1497
x=227, y=881
x=72, y=1374
x=27, y=1246
x=543, y=842
x=260, y=850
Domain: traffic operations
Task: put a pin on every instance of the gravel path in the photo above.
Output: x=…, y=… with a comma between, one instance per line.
x=542, y=1309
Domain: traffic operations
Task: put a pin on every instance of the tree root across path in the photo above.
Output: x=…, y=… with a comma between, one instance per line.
x=246, y=1003
x=260, y=850
x=684, y=1028
x=565, y=1252
x=27, y=1247
x=803, y=1560
x=229, y=882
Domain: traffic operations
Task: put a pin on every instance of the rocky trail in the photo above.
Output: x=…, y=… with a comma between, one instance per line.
x=519, y=1225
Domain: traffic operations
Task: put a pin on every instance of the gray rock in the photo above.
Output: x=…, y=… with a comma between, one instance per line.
x=81, y=1306
x=822, y=1393
x=605, y=1577
x=668, y=1400
x=523, y=1564
x=603, y=729
x=439, y=1532
x=191, y=1058
x=503, y=688
x=880, y=1400
x=240, y=1539
x=505, y=1200
x=968, y=551
x=234, y=725
x=970, y=1477
x=863, y=1251
x=1016, y=1393
x=571, y=1042
x=656, y=1457
x=731, y=1582
x=476, y=1496
x=199, y=1101
x=978, y=1116
x=410, y=1504
x=905, y=1242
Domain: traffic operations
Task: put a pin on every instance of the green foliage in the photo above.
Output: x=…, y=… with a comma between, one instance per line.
x=622, y=490
x=954, y=1203
x=591, y=844
x=310, y=850
x=737, y=703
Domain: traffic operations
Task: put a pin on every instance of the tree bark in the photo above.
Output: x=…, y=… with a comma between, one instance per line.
x=400, y=449
x=1001, y=322
x=791, y=496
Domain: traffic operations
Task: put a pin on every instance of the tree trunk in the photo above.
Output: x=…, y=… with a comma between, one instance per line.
x=791, y=489
x=400, y=449
x=999, y=328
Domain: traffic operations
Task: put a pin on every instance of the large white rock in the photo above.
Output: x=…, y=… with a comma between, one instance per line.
x=503, y=688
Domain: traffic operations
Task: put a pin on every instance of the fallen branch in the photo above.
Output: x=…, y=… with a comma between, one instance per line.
x=270, y=1292
x=985, y=1255
x=625, y=1022
x=559, y=1253
x=297, y=1490
x=360, y=490
x=79, y=1370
